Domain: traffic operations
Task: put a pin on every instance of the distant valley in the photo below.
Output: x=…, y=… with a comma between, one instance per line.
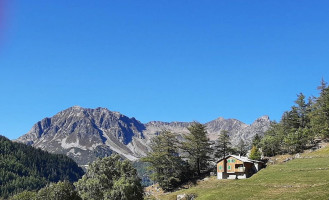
x=85, y=134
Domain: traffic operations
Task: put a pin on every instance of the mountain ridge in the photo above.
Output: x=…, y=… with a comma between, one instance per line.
x=85, y=133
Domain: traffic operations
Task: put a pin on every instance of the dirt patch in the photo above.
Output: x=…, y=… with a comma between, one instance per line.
x=287, y=157
x=153, y=191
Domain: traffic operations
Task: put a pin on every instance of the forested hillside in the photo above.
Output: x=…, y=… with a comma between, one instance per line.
x=23, y=167
x=299, y=127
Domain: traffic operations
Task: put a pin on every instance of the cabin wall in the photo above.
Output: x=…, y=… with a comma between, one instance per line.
x=220, y=167
x=231, y=165
x=237, y=176
x=222, y=175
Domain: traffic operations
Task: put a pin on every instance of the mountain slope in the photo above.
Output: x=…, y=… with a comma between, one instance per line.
x=237, y=129
x=85, y=134
x=306, y=177
x=24, y=167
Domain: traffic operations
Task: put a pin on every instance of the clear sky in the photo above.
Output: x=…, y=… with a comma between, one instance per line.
x=178, y=60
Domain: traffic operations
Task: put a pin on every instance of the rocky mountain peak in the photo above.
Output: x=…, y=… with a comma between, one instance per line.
x=262, y=119
x=83, y=131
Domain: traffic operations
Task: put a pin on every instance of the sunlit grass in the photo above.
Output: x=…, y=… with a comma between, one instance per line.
x=303, y=178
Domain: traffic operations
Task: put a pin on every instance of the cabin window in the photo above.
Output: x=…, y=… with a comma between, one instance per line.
x=220, y=167
x=228, y=160
x=239, y=168
x=238, y=165
x=229, y=167
x=233, y=160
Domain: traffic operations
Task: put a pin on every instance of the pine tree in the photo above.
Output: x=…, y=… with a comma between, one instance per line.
x=320, y=112
x=296, y=126
x=167, y=166
x=242, y=148
x=323, y=85
x=302, y=110
x=272, y=142
x=223, y=145
x=256, y=139
x=197, y=146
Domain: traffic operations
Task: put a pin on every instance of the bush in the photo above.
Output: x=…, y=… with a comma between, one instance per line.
x=110, y=178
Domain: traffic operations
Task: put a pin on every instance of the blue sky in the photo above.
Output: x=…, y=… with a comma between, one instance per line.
x=159, y=60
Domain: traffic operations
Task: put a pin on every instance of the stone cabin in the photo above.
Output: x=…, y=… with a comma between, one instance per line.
x=237, y=167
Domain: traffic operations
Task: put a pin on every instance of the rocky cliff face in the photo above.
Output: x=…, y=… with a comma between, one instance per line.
x=238, y=130
x=85, y=134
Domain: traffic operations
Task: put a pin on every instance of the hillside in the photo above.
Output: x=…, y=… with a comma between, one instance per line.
x=23, y=167
x=306, y=177
x=85, y=134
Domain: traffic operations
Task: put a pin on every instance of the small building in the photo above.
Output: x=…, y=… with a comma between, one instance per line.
x=237, y=167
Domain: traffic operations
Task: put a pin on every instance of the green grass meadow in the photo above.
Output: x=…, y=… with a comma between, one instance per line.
x=303, y=178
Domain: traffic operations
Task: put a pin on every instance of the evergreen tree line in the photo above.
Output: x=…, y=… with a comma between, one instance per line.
x=298, y=128
x=174, y=162
x=23, y=167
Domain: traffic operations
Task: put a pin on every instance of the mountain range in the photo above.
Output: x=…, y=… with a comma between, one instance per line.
x=85, y=134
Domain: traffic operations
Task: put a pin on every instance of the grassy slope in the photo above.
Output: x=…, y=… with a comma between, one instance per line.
x=303, y=178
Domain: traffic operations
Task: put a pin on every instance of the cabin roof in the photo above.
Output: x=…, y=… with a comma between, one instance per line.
x=241, y=158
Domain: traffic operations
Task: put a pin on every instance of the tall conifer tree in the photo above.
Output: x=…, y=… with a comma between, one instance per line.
x=223, y=145
x=320, y=112
x=197, y=146
x=167, y=166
